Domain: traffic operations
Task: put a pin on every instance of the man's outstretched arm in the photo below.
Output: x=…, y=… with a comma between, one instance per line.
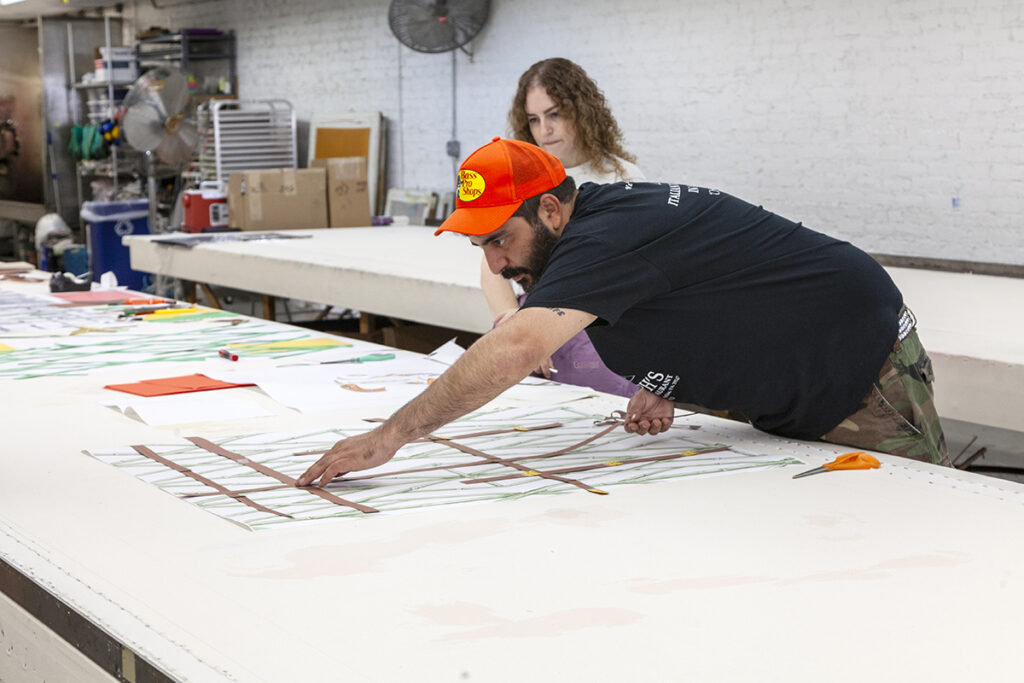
x=498, y=360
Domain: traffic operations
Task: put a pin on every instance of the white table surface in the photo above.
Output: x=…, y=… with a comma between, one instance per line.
x=971, y=325
x=909, y=572
x=402, y=272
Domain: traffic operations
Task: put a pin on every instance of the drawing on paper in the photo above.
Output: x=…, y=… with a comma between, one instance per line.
x=486, y=456
x=54, y=349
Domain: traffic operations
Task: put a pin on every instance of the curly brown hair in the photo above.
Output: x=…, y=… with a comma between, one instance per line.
x=579, y=101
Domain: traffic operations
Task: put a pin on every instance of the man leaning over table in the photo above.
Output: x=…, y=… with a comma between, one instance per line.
x=694, y=295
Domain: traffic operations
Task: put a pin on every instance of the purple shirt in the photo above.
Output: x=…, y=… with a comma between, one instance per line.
x=577, y=363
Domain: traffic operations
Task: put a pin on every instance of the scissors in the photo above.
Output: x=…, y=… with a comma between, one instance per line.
x=847, y=461
x=362, y=359
x=614, y=417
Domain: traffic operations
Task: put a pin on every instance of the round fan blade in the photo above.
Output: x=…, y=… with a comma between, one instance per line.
x=189, y=135
x=177, y=149
x=174, y=93
x=142, y=126
x=173, y=151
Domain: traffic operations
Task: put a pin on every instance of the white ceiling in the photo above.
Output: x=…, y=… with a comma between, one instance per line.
x=30, y=9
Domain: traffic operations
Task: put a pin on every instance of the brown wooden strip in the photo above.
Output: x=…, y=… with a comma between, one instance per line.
x=595, y=437
x=152, y=455
x=262, y=489
x=517, y=466
x=283, y=478
x=596, y=466
x=551, y=425
x=487, y=458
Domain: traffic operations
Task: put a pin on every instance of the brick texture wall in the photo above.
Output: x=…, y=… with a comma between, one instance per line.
x=898, y=125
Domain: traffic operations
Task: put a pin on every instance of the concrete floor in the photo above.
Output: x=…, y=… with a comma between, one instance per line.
x=1004, y=454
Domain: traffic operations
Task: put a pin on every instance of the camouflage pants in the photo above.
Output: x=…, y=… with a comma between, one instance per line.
x=898, y=415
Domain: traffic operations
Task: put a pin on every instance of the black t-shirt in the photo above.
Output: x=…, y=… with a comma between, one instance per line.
x=703, y=298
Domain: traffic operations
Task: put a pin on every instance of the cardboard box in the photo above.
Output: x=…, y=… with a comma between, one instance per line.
x=278, y=199
x=348, y=191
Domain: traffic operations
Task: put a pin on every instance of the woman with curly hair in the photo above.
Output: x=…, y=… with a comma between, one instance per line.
x=561, y=110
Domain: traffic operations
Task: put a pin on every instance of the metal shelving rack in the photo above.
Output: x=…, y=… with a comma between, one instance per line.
x=117, y=167
x=188, y=50
x=111, y=87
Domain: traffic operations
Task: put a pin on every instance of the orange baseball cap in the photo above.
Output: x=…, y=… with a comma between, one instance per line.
x=493, y=182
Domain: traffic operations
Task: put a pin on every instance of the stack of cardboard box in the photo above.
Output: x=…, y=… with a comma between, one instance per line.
x=333, y=193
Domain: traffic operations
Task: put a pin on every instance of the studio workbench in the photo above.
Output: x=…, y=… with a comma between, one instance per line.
x=971, y=325
x=905, y=572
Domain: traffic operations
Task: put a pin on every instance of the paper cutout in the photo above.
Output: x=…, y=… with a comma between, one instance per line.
x=166, y=386
x=478, y=458
x=317, y=344
x=355, y=387
x=447, y=353
x=97, y=296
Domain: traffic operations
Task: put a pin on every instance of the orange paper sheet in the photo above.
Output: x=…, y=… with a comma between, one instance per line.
x=166, y=386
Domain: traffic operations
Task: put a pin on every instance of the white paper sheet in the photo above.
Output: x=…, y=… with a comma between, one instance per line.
x=447, y=353
x=202, y=406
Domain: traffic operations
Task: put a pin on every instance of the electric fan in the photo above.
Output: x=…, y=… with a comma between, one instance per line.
x=437, y=25
x=158, y=117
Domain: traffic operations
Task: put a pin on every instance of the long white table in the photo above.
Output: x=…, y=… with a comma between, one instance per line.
x=908, y=572
x=399, y=272
x=972, y=325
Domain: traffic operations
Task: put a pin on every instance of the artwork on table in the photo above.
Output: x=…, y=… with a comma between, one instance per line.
x=42, y=339
x=500, y=455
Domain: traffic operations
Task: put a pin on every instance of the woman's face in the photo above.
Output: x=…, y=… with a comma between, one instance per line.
x=553, y=132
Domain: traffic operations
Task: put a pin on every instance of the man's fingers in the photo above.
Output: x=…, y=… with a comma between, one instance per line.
x=315, y=470
x=634, y=424
x=326, y=468
x=331, y=474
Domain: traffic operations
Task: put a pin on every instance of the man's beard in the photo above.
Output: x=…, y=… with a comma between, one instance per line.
x=540, y=251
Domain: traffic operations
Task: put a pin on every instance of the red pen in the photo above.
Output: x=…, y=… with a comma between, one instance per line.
x=224, y=353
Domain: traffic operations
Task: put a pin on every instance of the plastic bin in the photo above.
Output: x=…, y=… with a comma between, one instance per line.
x=108, y=223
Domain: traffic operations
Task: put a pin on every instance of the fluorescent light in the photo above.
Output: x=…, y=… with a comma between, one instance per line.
x=10, y=2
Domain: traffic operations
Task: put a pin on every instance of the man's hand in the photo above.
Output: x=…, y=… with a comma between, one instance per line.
x=355, y=453
x=648, y=414
x=494, y=363
x=545, y=368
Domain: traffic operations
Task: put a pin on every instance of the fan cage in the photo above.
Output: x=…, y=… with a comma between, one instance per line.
x=435, y=26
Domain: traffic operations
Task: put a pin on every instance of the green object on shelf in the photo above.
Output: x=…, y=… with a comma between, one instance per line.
x=75, y=142
x=87, y=143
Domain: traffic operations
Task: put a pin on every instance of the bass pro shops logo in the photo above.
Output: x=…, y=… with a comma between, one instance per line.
x=471, y=185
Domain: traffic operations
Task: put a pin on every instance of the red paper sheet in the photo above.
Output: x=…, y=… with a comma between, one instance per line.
x=166, y=386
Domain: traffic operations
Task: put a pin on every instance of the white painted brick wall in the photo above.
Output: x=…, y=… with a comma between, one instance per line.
x=898, y=125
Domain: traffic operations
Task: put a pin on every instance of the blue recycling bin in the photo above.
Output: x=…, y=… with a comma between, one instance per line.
x=108, y=223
